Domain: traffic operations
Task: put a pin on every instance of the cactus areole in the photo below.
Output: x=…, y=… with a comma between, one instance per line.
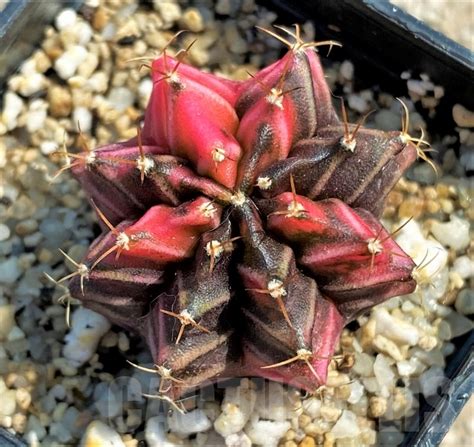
x=240, y=226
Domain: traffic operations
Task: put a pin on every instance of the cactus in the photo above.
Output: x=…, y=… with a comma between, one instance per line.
x=240, y=229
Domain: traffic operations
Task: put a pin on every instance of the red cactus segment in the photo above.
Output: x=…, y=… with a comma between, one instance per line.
x=114, y=171
x=305, y=368
x=373, y=197
x=194, y=121
x=165, y=66
x=325, y=113
x=122, y=293
x=327, y=167
x=164, y=234
x=188, y=329
x=281, y=325
x=266, y=134
x=352, y=256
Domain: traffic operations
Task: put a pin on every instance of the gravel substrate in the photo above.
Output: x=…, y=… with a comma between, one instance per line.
x=59, y=385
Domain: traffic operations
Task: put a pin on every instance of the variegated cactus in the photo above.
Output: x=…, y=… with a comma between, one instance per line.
x=240, y=229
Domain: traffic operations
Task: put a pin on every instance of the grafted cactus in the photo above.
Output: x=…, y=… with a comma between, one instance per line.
x=240, y=226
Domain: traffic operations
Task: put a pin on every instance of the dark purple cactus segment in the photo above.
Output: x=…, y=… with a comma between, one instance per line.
x=240, y=229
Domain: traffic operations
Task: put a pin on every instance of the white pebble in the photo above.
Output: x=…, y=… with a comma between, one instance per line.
x=36, y=117
x=364, y=364
x=155, y=433
x=394, y=328
x=15, y=334
x=4, y=232
x=460, y=324
x=67, y=64
x=272, y=402
x=170, y=12
x=430, y=380
x=237, y=407
x=464, y=267
x=9, y=270
x=12, y=107
x=453, y=234
x=312, y=407
x=357, y=391
x=406, y=368
x=347, y=70
x=422, y=250
x=266, y=433
x=465, y=302
x=120, y=98
x=383, y=373
x=99, y=434
x=87, y=328
x=346, y=426
x=189, y=423
x=83, y=116
x=66, y=19
x=357, y=103
x=48, y=147
x=238, y=440
x=8, y=403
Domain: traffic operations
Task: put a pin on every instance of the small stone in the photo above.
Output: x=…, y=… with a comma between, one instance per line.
x=99, y=434
x=224, y=7
x=192, y=20
x=266, y=433
x=378, y=406
x=23, y=398
x=460, y=324
x=307, y=441
x=364, y=364
x=67, y=64
x=12, y=107
x=430, y=380
x=238, y=440
x=83, y=116
x=170, y=12
x=60, y=101
x=462, y=116
x=346, y=70
x=357, y=391
x=8, y=403
x=4, y=232
x=237, y=407
x=384, y=374
x=383, y=344
x=87, y=328
x=15, y=334
x=191, y=422
x=65, y=19
x=330, y=414
x=36, y=116
x=464, y=267
x=19, y=422
x=465, y=302
x=120, y=98
x=453, y=234
x=346, y=426
x=394, y=328
x=406, y=368
x=235, y=42
x=9, y=271
x=272, y=402
x=312, y=406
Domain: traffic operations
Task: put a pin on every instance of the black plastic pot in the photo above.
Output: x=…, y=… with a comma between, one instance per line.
x=382, y=41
